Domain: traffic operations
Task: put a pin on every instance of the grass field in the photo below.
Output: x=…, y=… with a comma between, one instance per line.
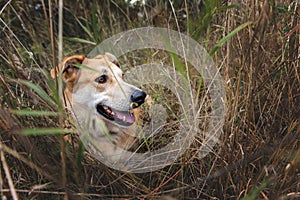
x=255, y=45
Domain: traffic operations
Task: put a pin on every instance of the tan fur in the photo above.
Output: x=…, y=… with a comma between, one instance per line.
x=83, y=93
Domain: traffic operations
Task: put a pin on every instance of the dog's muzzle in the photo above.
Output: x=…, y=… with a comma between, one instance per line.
x=123, y=117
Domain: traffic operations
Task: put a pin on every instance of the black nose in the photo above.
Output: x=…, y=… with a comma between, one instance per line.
x=137, y=98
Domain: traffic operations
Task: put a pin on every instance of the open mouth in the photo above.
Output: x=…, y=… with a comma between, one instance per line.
x=123, y=118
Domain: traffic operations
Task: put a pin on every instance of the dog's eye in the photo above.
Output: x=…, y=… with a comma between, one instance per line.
x=101, y=79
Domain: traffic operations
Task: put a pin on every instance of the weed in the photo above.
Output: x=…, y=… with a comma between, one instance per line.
x=256, y=48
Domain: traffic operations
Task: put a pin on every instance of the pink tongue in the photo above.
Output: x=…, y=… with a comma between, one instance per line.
x=124, y=116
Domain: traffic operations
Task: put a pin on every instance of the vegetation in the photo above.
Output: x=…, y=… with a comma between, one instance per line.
x=255, y=44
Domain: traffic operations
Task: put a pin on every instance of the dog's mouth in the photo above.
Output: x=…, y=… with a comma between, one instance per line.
x=123, y=118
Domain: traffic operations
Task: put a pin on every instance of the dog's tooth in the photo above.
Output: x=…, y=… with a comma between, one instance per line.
x=124, y=118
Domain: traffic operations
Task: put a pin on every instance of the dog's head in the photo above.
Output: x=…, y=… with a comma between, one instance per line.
x=96, y=85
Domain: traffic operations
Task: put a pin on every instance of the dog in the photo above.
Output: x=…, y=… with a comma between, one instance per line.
x=101, y=103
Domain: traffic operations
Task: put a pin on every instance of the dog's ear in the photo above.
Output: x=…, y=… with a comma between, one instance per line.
x=110, y=57
x=67, y=68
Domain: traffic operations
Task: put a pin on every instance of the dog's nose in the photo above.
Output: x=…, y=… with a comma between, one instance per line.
x=137, y=98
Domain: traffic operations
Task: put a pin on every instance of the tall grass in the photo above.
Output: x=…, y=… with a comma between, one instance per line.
x=256, y=47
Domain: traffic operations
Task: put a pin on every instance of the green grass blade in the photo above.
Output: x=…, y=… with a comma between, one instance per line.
x=45, y=131
x=80, y=156
x=227, y=37
x=34, y=113
x=52, y=85
x=39, y=91
x=96, y=26
x=86, y=30
x=80, y=40
x=85, y=67
x=253, y=194
x=178, y=65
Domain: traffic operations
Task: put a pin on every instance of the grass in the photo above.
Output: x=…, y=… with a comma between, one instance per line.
x=256, y=47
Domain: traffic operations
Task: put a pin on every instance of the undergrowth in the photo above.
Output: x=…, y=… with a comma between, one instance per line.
x=255, y=45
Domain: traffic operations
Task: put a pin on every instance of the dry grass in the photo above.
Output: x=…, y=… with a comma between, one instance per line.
x=259, y=157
